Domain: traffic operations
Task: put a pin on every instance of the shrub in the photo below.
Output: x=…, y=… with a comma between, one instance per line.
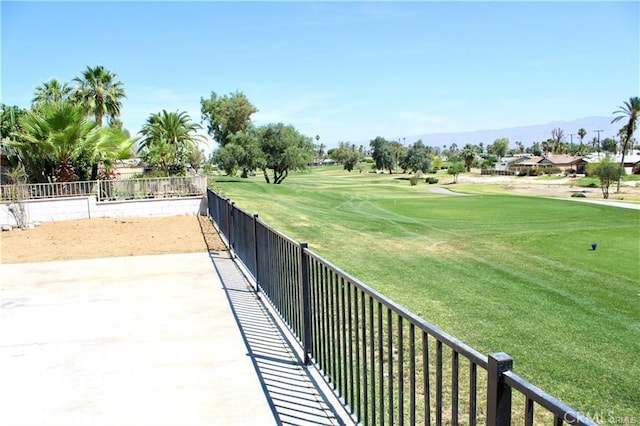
x=524, y=171
x=431, y=180
x=155, y=174
x=552, y=170
x=413, y=180
x=530, y=171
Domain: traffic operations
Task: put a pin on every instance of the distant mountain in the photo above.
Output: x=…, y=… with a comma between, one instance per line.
x=526, y=134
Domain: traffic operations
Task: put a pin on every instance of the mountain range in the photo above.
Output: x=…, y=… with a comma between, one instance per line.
x=526, y=134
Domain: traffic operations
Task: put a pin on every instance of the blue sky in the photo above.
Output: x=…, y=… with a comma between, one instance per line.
x=346, y=71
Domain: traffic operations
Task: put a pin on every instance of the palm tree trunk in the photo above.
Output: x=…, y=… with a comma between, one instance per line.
x=94, y=171
x=624, y=149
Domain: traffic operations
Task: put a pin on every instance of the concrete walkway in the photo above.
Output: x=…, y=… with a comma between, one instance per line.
x=164, y=340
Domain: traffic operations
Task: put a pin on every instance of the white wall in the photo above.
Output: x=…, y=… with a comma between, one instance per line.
x=52, y=210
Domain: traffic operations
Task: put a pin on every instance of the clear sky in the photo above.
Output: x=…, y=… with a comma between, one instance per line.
x=346, y=71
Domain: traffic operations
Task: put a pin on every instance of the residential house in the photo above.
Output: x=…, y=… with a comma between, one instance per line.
x=563, y=162
x=631, y=161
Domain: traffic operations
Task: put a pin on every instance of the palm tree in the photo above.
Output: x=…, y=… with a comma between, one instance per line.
x=112, y=144
x=582, y=133
x=520, y=146
x=468, y=154
x=49, y=92
x=60, y=133
x=174, y=127
x=100, y=93
x=170, y=134
x=629, y=111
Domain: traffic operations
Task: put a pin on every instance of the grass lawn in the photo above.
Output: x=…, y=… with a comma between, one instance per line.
x=499, y=272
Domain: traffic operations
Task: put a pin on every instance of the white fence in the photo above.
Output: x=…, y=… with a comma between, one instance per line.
x=109, y=190
x=85, y=200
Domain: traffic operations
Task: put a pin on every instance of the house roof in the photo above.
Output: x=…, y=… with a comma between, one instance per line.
x=616, y=158
x=562, y=159
x=533, y=161
x=509, y=160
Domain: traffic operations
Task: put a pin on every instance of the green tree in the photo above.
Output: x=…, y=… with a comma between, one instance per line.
x=629, y=111
x=468, y=155
x=455, y=169
x=284, y=149
x=18, y=154
x=99, y=93
x=176, y=136
x=609, y=145
x=580, y=150
x=347, y=155
x=383, y=154
x=49, y=92
x=249, y=155
x=536, y=148
x=607, y=172
x=226, y=158
x=161, y=154
x=9, y=119
x=417, y=158
x=399, y=152
x=499, y=147
x=226, y=115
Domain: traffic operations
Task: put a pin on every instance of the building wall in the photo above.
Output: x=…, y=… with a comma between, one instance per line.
x=53, y=210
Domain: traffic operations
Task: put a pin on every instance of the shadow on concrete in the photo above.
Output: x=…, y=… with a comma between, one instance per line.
x=294, y=395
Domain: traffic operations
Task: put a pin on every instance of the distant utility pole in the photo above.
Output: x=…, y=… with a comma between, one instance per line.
x=598, y=139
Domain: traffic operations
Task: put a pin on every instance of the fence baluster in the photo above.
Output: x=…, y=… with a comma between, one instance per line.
x=425, y=378
x=438, y=383
x=454, y=387
x=306, y=302
x=473, y=377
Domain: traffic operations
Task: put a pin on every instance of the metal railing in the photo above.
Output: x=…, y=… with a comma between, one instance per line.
x=387, y=365
x=36, y=191
x=109, y=190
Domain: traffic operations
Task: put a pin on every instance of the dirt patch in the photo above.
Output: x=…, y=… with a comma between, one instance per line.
x=109, y=237
x=562, y=187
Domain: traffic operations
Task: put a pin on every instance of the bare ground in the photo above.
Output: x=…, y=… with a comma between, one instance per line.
x=109, y=237
x=563, y=187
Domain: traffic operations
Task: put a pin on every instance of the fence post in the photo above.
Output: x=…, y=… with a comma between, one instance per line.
x=255, y=251
x=498, y=394
x=306, y=303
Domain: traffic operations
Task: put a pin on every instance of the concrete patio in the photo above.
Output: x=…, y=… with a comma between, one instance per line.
x=174, y=339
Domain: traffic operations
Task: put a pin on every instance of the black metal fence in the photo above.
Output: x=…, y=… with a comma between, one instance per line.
x=387, y=365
